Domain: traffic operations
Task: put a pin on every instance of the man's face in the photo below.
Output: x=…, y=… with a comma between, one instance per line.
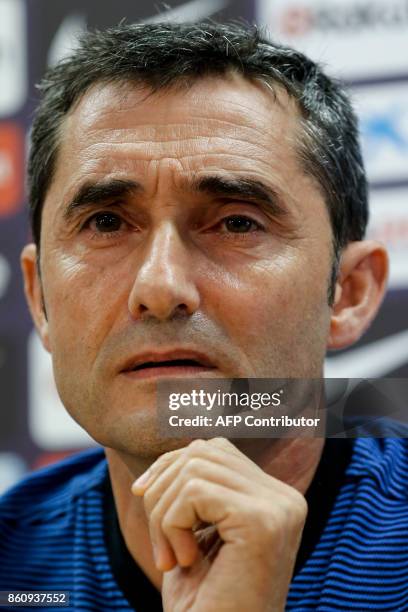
x=222, y=246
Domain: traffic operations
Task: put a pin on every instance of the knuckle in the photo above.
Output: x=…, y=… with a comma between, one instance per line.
x=265, y=518
x=194, y=465
x=277, y=525
x=220, y=442
x=300, y=516
x=294, y=502
x=165, y=459
x=299, y=505
x=303, y=506
x=261, y=525
x=193, y=487
x=195, y=446
x=293, y=511
x=272, y=527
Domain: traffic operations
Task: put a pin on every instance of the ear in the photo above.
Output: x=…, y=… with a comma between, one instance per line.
x=359, y=291
x=33, y=292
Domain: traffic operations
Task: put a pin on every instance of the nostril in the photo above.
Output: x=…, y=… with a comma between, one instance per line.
x=180, y=310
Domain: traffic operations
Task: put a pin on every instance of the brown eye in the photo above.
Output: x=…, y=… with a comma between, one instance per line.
x=240, y=225
x=106, y=222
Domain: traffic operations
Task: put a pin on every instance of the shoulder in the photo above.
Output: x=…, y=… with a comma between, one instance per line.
x=49, y=490
x=384, y=462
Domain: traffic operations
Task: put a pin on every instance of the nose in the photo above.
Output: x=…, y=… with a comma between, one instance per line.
x=164, y=284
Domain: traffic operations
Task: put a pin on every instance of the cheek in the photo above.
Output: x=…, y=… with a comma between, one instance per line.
x=275, y=312
x=261, y=296
x=81, y=305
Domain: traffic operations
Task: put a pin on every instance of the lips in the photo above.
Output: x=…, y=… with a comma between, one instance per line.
x=169, y=359
x=166, y=364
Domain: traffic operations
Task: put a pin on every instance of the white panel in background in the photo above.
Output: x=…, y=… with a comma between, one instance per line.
x=389, y=224
x=50, y=426
x=13, y=56
x=66, y=38
x=5, y=275
x=354, y=38
x=12, y=469
x=192, y=10
x=373, y=360
x=383, y=113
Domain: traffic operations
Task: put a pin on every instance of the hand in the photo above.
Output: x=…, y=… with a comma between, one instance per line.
x=225, y=533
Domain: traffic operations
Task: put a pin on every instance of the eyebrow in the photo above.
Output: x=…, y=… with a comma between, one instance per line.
x=242, y=188
x=100, y=192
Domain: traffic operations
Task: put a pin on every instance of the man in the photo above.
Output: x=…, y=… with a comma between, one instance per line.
x=198, y=206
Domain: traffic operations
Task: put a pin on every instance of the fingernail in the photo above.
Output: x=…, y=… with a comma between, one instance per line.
x=141, y=481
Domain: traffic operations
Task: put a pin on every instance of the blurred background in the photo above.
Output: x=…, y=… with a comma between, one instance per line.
x=363, y=42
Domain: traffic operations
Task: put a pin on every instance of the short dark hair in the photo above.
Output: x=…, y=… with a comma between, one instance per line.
x=164, y=55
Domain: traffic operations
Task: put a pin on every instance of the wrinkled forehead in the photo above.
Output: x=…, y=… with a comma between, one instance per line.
x=228, y=107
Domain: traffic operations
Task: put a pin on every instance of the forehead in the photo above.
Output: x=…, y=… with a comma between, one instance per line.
x=246, y=104
x=229, y=121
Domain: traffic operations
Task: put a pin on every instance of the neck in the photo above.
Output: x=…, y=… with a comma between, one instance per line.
x=293, y=461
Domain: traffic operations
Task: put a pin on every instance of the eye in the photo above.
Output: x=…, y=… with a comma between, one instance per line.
x=105, y=223
x=239, y=224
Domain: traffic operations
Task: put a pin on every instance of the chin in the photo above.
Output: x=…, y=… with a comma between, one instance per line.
x=136, y=436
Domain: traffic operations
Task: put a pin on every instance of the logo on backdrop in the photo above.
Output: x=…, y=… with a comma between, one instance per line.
x=300, y=20
x=385, y=129
x=383, y=112
x=354, y=39
x=11, y=167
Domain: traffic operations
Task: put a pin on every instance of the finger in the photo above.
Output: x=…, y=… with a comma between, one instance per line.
x=218, y=450
x=162, y=492
x=279, y=498
x=167, y=459
x=184, y=548
x=158, y=499
x=226, y=445
x=233, y=513
x=159, y=466
x=163, y=554
x=199, y=500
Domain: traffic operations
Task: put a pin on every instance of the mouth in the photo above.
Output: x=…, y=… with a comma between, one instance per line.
x=156, y=366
